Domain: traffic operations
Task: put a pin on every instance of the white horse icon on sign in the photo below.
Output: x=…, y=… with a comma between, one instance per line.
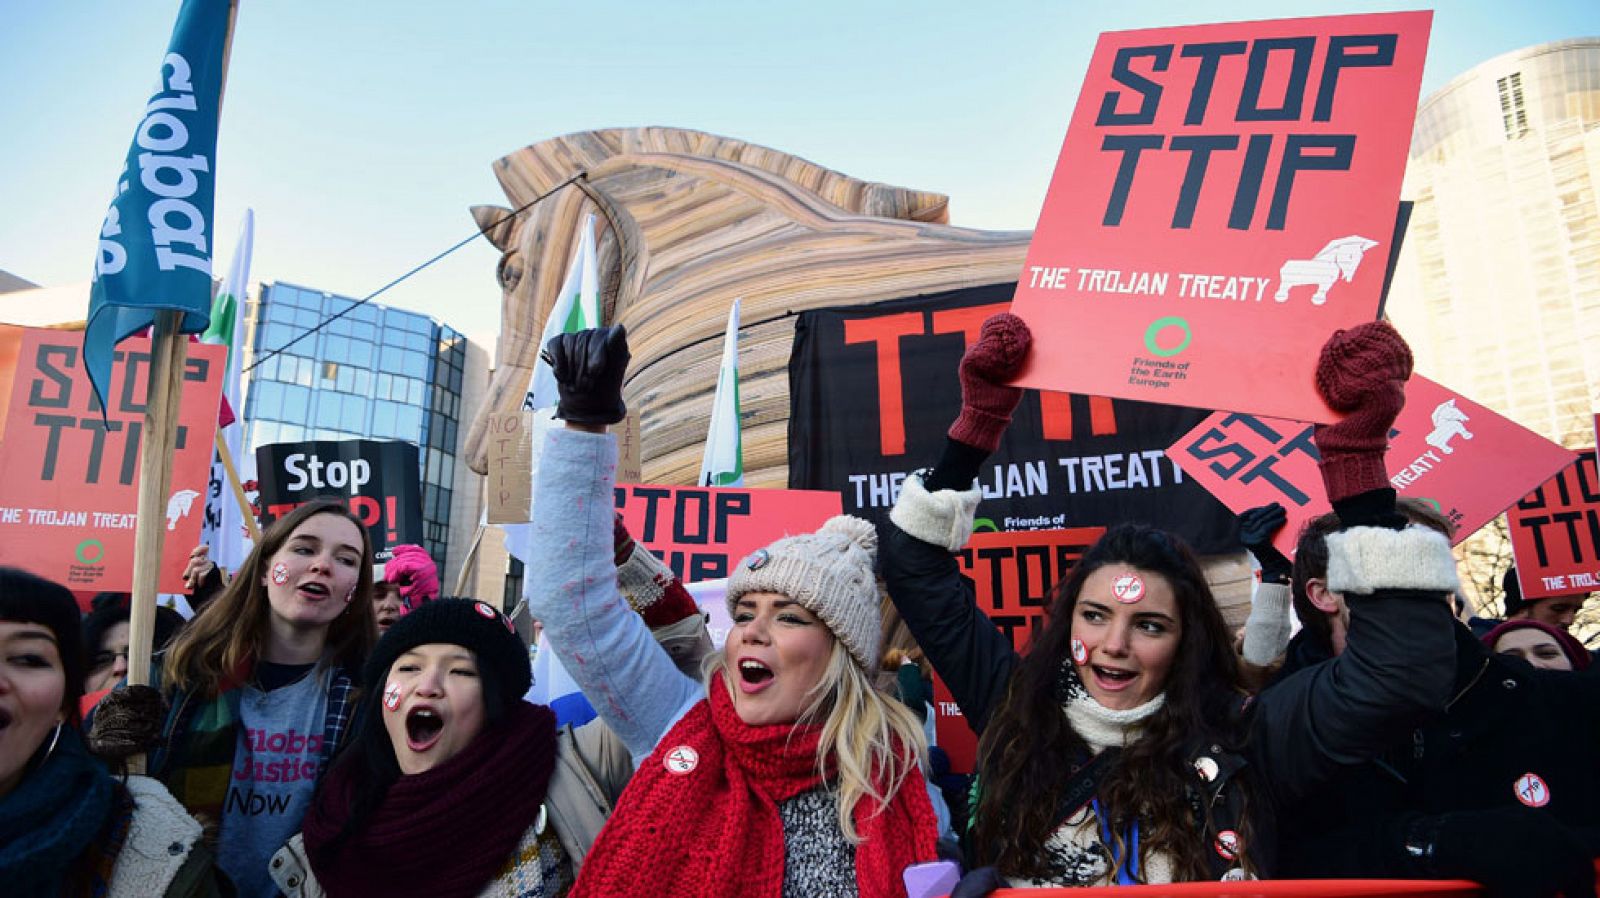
x=1447, y=425
x=1339, y=259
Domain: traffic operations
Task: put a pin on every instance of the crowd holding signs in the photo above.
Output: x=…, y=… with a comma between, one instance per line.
x=1194, y=325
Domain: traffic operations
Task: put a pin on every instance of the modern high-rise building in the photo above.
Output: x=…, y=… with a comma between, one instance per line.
x=1498, y=283
x=376, y=373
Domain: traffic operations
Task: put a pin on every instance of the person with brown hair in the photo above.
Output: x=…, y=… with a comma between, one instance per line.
x=1121, y=748
x=259, y=688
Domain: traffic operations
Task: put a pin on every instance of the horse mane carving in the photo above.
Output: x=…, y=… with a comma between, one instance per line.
x=687, y=222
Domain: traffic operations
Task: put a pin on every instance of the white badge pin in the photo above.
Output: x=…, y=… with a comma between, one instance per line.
x=1532, y=791
x=681, y=760
x=1207, y=769
x=1127, y=589
x=1227, y=844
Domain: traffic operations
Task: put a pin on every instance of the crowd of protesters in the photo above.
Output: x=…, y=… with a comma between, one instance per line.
x=325, y=725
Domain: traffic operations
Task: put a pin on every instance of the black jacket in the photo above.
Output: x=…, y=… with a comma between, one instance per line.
x=1299, y=735
x=1505, y=720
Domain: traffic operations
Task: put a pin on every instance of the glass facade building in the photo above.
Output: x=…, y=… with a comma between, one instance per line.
x=376, y=373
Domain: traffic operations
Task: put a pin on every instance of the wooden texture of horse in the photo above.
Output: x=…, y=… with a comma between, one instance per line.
x=687, y=222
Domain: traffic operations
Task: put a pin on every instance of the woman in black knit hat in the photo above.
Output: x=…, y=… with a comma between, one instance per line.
x=454, y=785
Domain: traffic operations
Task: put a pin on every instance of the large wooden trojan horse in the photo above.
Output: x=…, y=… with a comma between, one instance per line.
x=688, y=222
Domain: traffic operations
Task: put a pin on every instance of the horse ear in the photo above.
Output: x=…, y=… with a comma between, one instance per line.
x=496, y=223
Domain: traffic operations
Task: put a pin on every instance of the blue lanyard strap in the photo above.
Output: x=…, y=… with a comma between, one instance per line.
x=1128, y=865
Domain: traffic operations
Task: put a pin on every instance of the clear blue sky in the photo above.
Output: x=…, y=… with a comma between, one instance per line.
x=361, y=131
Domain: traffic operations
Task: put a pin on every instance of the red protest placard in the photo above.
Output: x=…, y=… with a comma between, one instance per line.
x=1225, y=199
x=701, y=533
x=1555, y=533
x=1014, y=575
x=1467, y=461
x=67, y=506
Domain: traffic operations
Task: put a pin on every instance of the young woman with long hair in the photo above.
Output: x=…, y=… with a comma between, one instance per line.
x=1121, y=747
x=782, y=773
x=261, y=684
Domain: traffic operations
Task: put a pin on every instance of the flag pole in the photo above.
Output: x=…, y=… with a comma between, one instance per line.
x=226, y=457
x=169, y=350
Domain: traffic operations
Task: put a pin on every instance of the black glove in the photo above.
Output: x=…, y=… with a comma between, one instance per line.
x=980, y=882
x=127, y=722
x=1256, y=529
x=1513, y=851
x=589, y=367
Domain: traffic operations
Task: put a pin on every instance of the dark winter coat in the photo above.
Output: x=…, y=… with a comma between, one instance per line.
x=1505, y=720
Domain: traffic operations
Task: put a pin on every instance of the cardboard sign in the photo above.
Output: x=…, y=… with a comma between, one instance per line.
x=1225, y=199
x=1014, y=576
x=70, y=494
x=516, y=442
x=873, y=389
x=1555, y=533
x=702, y=532
x=380, y=481
x=1465, y=460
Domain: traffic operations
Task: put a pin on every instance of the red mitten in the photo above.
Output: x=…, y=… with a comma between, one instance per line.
x=1362, y=372
x=986, y=401
x=413, y=572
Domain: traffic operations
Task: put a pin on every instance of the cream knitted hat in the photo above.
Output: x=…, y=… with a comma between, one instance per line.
x=829, y=572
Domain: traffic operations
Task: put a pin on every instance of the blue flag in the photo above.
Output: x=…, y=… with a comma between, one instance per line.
x=155, y=244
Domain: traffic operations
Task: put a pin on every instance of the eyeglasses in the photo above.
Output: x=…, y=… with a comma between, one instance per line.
x=106, y=659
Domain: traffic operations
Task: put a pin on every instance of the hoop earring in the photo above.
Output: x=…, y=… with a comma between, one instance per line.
x=53, y=740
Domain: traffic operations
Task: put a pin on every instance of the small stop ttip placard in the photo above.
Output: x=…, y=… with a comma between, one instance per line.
x=1225, y=199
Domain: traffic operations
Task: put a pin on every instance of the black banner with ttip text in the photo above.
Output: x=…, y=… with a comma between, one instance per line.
x=380, y=481
x=872, y=390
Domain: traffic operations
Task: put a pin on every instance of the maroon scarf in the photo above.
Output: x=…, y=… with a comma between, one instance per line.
x=446, y=832
x=713, y=829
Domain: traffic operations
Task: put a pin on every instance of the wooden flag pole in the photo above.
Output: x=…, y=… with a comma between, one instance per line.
x=226, y=458
x=168, y=352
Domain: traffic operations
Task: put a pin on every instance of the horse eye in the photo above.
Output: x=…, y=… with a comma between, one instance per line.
x=509, y=272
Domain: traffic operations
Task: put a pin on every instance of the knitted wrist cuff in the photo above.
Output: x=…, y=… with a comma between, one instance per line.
x=1266, y=632
x=1347, y=475
x=942, y=518
x=979, y=428
x=1363, y=560
x=653, y=590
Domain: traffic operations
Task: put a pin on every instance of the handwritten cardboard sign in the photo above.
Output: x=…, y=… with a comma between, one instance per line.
x=1014, y=576
x=1466, y=460
x=1555, y=533
x=509, y=479
x=1225, y=193
x=70, y=495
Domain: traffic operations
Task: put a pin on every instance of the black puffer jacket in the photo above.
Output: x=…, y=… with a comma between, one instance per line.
x=1308, y=729
x=1506, y=720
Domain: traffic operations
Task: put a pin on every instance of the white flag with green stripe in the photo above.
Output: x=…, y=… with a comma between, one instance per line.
x=723, y=462
x=577, y=308
x=224, y=528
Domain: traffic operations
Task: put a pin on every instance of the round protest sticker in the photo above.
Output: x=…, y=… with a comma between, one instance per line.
x=681, y=760
x=1128, y=588
x=1080, y=653
x=391, y=696
x=1207, y=769
x=1227, y=844
x=280, y=573
x=1532, y=791
x=486, y=610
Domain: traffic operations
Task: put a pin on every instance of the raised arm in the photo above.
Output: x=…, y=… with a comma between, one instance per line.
x=933, y=519
x=1399, y=659
x=606, y=647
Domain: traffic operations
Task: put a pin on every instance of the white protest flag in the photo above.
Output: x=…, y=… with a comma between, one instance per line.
x=224, y=529
x=723, y=462
x=577, y=308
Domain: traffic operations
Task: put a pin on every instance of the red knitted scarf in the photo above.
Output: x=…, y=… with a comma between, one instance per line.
x=700, y=817
x=446, y=832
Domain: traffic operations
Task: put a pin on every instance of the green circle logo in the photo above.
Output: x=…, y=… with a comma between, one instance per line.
x=1161, y=324
x=1432, y=502
x=90, y=551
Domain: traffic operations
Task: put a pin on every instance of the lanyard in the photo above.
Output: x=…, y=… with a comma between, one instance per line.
x=1128, y=865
